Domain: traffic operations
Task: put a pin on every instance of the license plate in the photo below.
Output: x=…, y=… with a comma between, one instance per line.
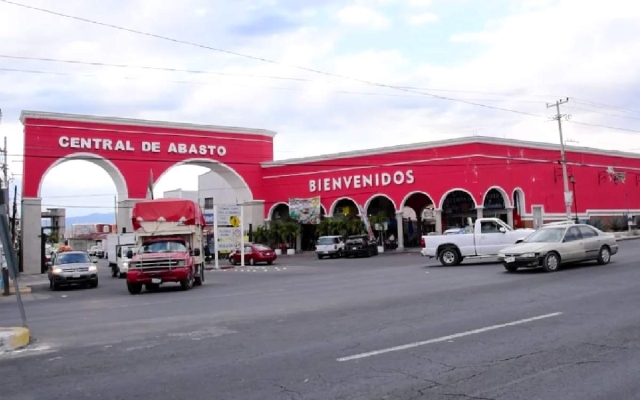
x=354, y=248
x=75, y=276
x=510, y=259
x=156, y=281
x=326, y=252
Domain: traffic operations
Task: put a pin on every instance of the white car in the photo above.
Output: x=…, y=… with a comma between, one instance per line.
x=330, y=246
x=489, y=236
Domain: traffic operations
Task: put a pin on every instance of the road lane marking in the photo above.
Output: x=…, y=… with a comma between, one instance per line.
x=446, y=338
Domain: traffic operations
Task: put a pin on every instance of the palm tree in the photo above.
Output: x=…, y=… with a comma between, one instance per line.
x=355, y=226
x=289, y=232
x=325, y=227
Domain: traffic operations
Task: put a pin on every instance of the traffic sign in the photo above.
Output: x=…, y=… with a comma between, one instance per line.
x=228, y=215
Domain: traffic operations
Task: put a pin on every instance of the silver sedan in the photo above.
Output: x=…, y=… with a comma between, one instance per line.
x=554, y=245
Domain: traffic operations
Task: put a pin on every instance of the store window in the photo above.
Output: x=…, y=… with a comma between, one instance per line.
x=208, y=203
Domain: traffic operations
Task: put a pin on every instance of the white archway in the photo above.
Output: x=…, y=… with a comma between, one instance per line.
x=108, y=166
x=236, y=182
x=444, y=197
x=518, y=193
x=404, y=201
x=368, y=202
x=323, y=209
x=332, y=209
x=273, y=208
x=505, y=196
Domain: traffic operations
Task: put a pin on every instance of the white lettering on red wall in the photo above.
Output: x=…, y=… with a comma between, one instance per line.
x=361, y=181
x=146, y=147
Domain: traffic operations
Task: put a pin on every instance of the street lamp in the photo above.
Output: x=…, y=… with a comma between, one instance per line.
x=572, y=179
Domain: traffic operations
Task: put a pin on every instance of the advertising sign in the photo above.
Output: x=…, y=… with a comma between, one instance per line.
x=306, y=211
x=367, y=224
x=208, y=218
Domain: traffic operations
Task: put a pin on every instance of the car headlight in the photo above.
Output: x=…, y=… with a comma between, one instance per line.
x=181, y=263
x=501, y=255
x=528, y=255
x=93, y=268
x=125, y=264
x=57, y=270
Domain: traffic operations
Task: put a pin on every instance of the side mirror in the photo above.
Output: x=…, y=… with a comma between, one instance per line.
x=502, y=229
x=196, y=252
x=129, y=254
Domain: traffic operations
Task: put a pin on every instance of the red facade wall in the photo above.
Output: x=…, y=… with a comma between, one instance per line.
x=475, y=167
x=48, y=141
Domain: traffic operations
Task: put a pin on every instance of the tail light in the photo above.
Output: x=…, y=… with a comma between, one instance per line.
x=422, y=242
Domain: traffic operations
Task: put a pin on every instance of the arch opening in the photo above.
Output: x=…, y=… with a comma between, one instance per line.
x=279, y=212
x=496, y=203
x=518, y=208
x=418, y=217
x=344, y=207
x=457, y=205
x=381, y=211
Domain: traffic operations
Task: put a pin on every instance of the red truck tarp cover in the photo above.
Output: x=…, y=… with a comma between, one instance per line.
x=171, y=210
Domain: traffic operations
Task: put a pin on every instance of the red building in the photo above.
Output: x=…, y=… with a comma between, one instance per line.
x=453, y=179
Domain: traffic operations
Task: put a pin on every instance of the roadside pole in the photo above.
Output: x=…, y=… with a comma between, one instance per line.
x=10, y=255
x=241, y=235
x=568, y=195
x=215, y=236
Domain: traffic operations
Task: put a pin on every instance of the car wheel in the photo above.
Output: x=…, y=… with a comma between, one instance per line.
x=123, y=275
x=134, y=288
x=449, y=257
x=93, y=285
x=187, y=284
x=551, y=262
x=510, y=267
x=252, y=262
x=604, y=256
x=319, y=257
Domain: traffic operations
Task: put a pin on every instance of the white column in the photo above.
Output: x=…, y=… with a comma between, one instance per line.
x=510, y=216
x=480, y=211
x=31, y=225
x=125, y=209
x=400, y=222
x=438, y=213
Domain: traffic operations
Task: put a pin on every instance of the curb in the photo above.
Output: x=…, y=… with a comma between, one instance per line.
x=623, y=238
x=13, y=338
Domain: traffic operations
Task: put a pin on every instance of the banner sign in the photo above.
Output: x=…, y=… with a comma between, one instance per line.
x=228, y=215
x=305, y=211
x=367, y=224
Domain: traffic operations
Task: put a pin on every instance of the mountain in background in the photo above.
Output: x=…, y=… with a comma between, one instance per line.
x=95, y=218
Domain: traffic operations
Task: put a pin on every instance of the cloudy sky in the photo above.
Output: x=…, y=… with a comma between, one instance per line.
x=509, y=54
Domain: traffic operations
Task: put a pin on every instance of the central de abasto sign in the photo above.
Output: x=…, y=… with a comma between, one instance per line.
x=146, y=147
x=361, y=181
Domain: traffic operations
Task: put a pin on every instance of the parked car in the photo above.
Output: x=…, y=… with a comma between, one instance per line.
x=330, y=246
x=554, y=245
x=254, y=254
x=360, y=245
x=489, y=235
x=72, y=268
x=96, y=251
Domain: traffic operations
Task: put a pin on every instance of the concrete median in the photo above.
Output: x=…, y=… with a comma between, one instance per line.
x=13, y=338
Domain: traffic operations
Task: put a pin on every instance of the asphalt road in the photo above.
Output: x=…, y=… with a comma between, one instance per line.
x=390, y=327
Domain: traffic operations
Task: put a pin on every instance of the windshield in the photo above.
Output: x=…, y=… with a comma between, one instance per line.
x=72, y=258
x=325, y=240
x=165, y=246
x=546, y=235
x=261, y=247
x=355, y=241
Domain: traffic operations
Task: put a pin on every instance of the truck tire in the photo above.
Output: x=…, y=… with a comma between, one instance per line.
x=187, y=284
x=134, y=288
x=200, y=278
x=449, y=257
x=114, y=272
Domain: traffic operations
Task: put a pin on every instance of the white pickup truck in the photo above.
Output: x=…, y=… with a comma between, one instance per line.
x=488, y=237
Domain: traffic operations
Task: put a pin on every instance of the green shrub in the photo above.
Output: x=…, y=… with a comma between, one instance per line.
x=618, y=224
x=597, y=223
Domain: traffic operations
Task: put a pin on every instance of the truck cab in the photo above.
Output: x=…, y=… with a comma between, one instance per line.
x=120, y=268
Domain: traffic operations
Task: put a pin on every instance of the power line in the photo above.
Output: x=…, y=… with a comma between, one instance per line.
x=602, y=113
x=189, y=82
x=265, y=60
x=192, y=71
x=591, y=103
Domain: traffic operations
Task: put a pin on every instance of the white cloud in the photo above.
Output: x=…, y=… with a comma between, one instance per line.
x=539, y=55
x=419, y=3
x=422, y=19
x=363, y=17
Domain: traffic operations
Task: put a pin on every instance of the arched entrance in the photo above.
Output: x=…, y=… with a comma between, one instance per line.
x=496, y=205
x=344, y=207
x=279, y=211
x=457, y=205
x=418, y=216
x=381, y=211
x=518, y=208
x=136, y=153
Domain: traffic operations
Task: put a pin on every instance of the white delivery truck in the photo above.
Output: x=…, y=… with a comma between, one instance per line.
x=112, y=241
x=120, y=268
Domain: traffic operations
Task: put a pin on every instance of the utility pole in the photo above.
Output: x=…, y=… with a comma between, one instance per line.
x=568, y=195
